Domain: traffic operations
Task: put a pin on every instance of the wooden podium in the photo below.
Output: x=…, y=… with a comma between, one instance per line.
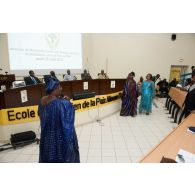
x=7, y=80
x=11, y=98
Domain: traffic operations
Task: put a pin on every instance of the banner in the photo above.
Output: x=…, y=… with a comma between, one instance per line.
x=30, y=113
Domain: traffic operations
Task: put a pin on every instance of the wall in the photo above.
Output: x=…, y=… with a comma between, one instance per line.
x=4, y=58
x=142, y=53
x=121, y=53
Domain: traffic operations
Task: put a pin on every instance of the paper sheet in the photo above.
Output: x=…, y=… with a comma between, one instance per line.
x=112, y=84
x=85, y=85
x=187, y=156
x=24, y=97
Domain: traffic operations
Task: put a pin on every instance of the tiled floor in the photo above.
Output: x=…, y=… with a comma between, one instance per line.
x=114, y=139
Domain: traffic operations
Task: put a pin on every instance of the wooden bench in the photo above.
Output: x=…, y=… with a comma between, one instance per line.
x=178, y=139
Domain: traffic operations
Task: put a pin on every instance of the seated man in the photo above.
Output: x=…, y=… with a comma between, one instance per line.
x=53, y=75
x=189, y=101
x=102, y=75
x=31, y=79
x=173, y=83
x=193, y=69
x=163, y=87
x=85, y=75
x=188, y=83
x=69, y=77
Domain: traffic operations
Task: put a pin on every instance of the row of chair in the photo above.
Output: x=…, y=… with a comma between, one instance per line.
x=177, y=113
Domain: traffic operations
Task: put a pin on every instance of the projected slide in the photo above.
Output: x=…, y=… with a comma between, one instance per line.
x=45, y=51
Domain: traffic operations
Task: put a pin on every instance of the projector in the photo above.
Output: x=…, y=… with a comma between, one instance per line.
x=17, y=84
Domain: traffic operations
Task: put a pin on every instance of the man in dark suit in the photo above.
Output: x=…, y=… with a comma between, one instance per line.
x=163, y=87
x=85, y=75
x=53, y=75
x=31, y=79
x=173, y=83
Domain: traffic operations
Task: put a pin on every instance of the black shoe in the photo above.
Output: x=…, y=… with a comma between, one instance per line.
x=147, y=113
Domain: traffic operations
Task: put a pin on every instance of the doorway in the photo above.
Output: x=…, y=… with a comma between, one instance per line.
x=177, y=71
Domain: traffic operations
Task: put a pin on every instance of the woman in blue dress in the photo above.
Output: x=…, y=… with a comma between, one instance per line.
x=58, y=141
x=147, y=95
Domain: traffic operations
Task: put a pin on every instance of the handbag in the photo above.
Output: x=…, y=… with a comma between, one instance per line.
x=20, y=140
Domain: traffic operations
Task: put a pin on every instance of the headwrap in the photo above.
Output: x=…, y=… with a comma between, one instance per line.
x=50, y=85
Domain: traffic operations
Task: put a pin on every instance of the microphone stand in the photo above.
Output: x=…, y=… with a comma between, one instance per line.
x=98, y=120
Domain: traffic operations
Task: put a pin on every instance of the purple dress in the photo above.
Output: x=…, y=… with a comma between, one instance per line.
x=129, y=99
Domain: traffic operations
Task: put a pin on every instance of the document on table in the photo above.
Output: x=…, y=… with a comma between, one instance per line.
x=184, y=156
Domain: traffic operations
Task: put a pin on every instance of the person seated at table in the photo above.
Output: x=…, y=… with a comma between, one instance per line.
x=53, y=75
x=69, y=76
x=85, y=75
x=31, y=79
x=163, y=87
x=193, y=69
x=188, y=83
x=102, y=75
x=189, y=103
x=173, y=83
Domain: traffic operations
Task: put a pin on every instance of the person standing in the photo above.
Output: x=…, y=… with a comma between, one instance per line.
x=139, y=84
x=147, y=95
x=129, y=97
x=58, y=141
x=155, y=78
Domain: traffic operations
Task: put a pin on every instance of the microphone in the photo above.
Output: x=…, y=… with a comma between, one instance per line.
x=62, y=96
